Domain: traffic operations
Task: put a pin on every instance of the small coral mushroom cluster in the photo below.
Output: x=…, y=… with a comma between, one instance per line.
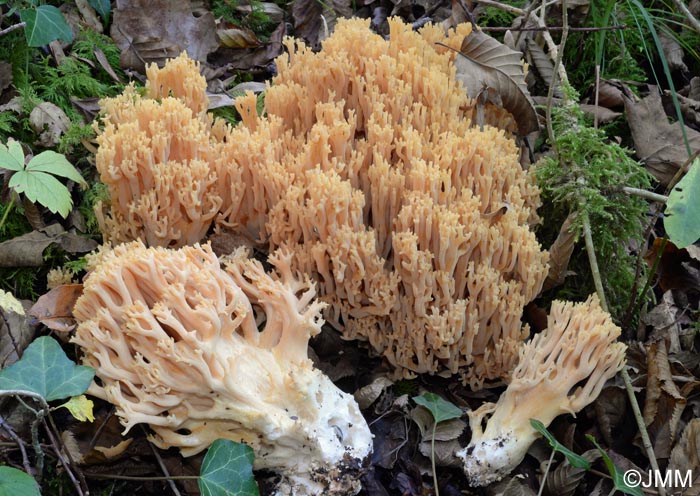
x=365, y=174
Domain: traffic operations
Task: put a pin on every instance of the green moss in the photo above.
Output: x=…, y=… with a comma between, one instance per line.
x=588, y=178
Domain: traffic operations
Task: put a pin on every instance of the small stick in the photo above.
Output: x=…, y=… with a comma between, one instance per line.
x=649, y=195
x=597, y=93
x=162, y=466
x=25, y=459
x=688, y=14
x=14, y=27
x=501, y=29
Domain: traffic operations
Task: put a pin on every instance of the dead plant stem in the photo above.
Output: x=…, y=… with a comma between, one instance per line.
x=692, y=20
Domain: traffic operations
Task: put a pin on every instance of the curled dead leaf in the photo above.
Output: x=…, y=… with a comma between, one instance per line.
x=49, y=122
x=486, y=63
x=55, y=308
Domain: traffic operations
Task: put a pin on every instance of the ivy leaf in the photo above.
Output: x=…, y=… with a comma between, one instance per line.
x=14, y=482
x=574, y=460
x=440, y=409
x=80, y=407
x=11, y=156
x=682, y=216
x=45, y=23
x=46, y=370
x=102, y=7
x=227, y=470
x=615, y=472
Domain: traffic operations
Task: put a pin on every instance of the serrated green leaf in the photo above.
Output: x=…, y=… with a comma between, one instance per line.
x=14, y=482
x=56, y=164
x=227, y=470
x=440, y=409
x=12, y=156
x=45, y=23
x=46, y=370
x=682, y=216
x=43, y=188
x=615, y=472
x=102, y=7
x=574, y=460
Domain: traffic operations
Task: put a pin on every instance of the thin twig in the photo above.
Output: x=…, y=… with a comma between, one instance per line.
x=162, y=466
x=557, y=64
x=688, y=14
x=61, y=447
x=593, y=262
x=597, y=94
x=649, y=195
x=546, y=472
x=25, y=459
x=81, y=489
x=642, y=428
x=501, y=29
x=14, y=27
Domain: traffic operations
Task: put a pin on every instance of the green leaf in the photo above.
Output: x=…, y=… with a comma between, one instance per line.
x=45, y=23
x=227, y=470
x=14, y=482
x=441, y=409
x=56, y=164
x=574, y=460
x=12, y=156
x=46, y=370
x=43, y=188
x=102, y=7
x=682, y=216
x=615, y=472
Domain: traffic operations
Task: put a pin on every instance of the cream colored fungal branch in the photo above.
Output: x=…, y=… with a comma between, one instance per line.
x=561, y=370
x=176, y=344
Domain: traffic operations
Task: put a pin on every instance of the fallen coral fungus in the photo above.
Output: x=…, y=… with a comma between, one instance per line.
x=175, y=342
x=561, y=370
x=368, y=170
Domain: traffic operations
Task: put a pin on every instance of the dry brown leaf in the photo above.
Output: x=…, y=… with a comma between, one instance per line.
x=610, y=410
x=673, y=52
x=102, y=59
x=659, y=144
x=27, y=250
x=694, y=89
x=89, y=15
x=237, y=37
x=16, y=330
x=368, y=394
x=609, y=94
x=487, y=63
x=664, y=403
x=314, y=21
x=510, y=487
x=544, y=65
x=55, y=308
x=690, y=109
x=446, y=437
x=686, y=456
x=5, y=75
x=664, y=319
x=148, y=31
x=245, y=59
x=49, y=122
x=559, y=254
x=565, y=479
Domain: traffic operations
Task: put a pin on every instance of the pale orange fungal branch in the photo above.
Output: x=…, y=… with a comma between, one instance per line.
x=175, y=343
x=561, y=370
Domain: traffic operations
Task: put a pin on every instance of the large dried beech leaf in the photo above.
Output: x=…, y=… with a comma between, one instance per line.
x=16, y=330
x=544, y=66
x=664, y=403
x=658, y=143
x=486, y=63
x=149, y=31
x=27, y=250
x=55, y=308
x=686, y=456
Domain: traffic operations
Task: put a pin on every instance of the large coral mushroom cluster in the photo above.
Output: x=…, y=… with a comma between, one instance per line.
x=366, y=168
x=175, y=340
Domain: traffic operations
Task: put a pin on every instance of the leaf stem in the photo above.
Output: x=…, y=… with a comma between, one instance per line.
x=7, y=211
x=432, y=459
